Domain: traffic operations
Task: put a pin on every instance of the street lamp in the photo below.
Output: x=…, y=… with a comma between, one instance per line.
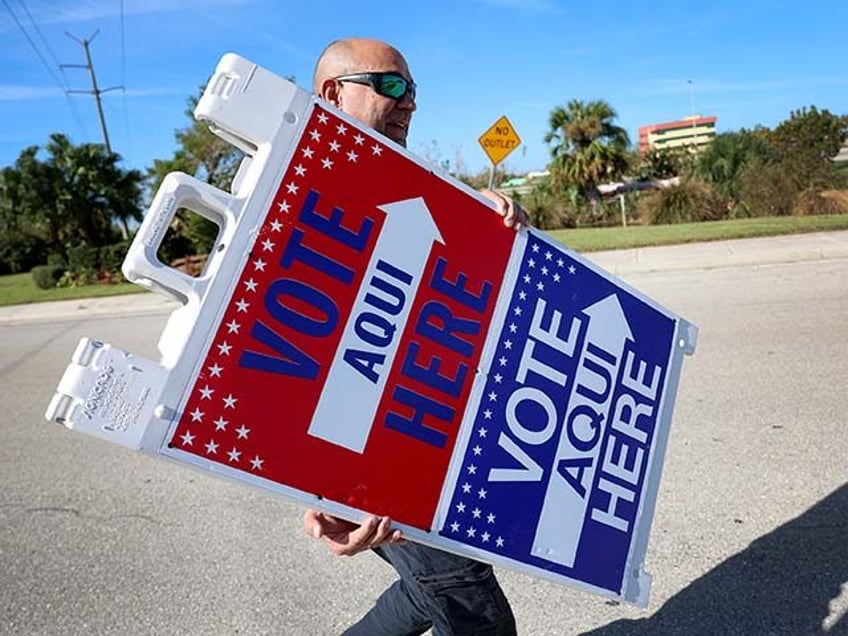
x=692, y=111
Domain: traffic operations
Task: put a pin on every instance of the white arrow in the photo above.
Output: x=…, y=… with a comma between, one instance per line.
x=561, y=520
x=349, y=401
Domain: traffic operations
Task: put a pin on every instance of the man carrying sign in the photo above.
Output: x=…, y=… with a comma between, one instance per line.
x=370, y=80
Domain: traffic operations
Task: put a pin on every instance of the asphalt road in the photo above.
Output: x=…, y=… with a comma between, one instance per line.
x=749, y=535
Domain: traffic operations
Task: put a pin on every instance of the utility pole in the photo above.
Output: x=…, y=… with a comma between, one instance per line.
x=94, y=88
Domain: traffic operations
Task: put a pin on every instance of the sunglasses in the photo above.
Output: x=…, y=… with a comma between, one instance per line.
x=392, y=85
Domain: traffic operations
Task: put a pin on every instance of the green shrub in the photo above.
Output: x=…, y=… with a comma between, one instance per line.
x=21, y=252
x=47, y=276
x=112, y=257
x=688, y=202
x=84, y=260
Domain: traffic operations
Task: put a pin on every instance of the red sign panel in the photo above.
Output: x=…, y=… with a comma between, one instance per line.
x=337, y=295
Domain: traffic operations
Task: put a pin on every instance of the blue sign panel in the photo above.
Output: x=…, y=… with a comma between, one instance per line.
x=554, y=467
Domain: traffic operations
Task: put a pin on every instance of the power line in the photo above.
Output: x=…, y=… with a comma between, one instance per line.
x=62, y=86
x=32, y=44
x=123, y=82
x=40, y=34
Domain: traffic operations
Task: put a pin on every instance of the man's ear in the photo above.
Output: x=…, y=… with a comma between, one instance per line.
x=330, y=92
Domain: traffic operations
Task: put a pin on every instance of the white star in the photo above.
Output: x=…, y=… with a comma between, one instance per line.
x=197, y=415
x=454, y=527
x=234, y=455
x=224, y=348
x=513, y=328
x=376, y=150
x=572, y=269
x=242, y=432
x=316, y=136
x=472, y=469
x=284, y=206
x=556, y=278
x=230, y=401
x=276, y=226
x=341, y=129
x=476, y=513
x=540, y=286
x=188, y=438
x=259, y=264
x=522, y=295
x=215, y=370
x=460, y=507
x=499, y=542
x=517, y=311
x=548, y=255
x=502, y=361
x=482, y=493
x=206, y=393
x=527, y=278
x=358, y=139
x=322, y=117
x=471, y=532
x=327, y=163
x=531, y=263
x=482, y=431
x=308, y=152
x=498, y=378
x=257, y=463
x=220, y=423
x=535, y=248
x=299, y=170
x=493, y=397
x=251, y=284
x=233, y=326
x=466, y=487
x=507, y=344
x=242, y=305
x=352, y=156
x=560, y=262
x=292, y=188
x=544, y=271
x=267, y=245
x=334, y=146
x=211, y=447
x=477, y=450
x=487, y=414
x=490, y=518
x=485, y=536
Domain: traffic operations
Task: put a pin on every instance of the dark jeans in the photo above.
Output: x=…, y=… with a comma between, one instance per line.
x=454, y=595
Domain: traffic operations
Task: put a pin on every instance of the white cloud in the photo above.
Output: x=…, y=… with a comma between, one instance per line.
x=88, y=10
x=666, y=86
x=14, y=93
x=542, y=6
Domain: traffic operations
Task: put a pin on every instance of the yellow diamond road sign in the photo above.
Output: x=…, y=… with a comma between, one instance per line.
x=500, y=140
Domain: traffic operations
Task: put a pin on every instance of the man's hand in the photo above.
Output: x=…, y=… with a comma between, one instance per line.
x=345, y=538
x=514, y=215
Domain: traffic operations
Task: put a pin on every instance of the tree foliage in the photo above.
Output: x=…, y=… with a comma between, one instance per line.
x=77, y=195
x=205, y=156
x=586, y=147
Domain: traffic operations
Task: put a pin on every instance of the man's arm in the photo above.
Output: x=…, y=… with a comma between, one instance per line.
x=345, y=538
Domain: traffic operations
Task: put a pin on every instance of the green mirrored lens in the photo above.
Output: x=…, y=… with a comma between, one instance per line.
x=393, y=86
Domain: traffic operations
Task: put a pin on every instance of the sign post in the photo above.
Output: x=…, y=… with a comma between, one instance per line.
x=497, y=142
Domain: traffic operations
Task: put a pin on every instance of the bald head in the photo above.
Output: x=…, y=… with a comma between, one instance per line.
x=387, y=115
x=354, y=55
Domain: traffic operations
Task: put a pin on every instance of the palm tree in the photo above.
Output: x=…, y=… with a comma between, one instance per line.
x=586, y=147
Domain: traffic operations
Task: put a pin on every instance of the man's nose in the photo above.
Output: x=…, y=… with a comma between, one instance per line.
x=407, y=102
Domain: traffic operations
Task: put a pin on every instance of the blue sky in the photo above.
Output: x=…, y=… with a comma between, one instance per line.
x=749, y=63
